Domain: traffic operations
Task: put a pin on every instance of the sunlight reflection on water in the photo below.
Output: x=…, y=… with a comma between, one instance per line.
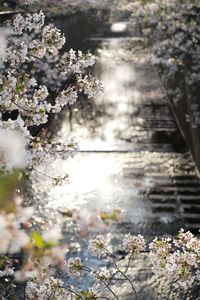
x=113, y=170
x=117, y=104
x=119, y=26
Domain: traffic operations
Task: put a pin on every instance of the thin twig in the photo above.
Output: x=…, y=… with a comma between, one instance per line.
x=116, y=266
x=104, y=282
x=129, y=261
x=73, y=292
x=18, y=105
x=42, y=173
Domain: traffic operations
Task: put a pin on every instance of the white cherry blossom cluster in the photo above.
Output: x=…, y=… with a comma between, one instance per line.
x=160, y=249
x=171, y=29
x=51, y=36
x=104, y=275
x=26, y=101
x=99, y=245
x=90, y=86
x=133, y=244
x=74, y=266
x=67, y=96
x=51, y=288
x=42, y=149
x=29, y=22
x=34, y=81
x=177, y=258
x=75, y=62
x=7, y=272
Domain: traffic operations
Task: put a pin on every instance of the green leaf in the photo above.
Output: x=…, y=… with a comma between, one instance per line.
x=37, y=240
x=114, y=215
x=4, y=261
x=160, y=243
x=50, y=244
x=8, y=183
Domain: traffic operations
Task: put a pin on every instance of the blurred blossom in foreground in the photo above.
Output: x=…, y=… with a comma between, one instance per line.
x=12, y=149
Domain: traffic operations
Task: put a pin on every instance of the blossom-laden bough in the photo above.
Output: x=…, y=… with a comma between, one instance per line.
x=171, y=31
x=178, y=258
x=38, y=80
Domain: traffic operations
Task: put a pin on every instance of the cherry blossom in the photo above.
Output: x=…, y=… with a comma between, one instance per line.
x=133, y=244
x=99, y=245
x=23, y=92
x=74, y=266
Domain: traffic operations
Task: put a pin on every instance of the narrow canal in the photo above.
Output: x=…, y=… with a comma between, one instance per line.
x=131, y=156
